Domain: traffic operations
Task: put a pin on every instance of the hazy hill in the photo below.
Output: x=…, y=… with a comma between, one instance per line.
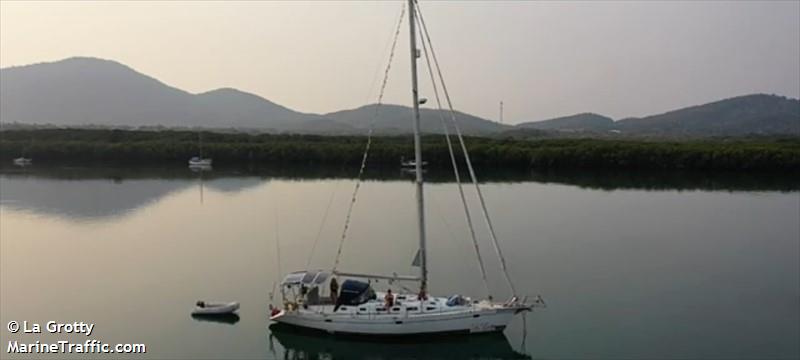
x=88, y=91
x=233, y=108
x=395, y=119
x=744, y=115
x=578, y=122
x=757, y=114
x=83, y=91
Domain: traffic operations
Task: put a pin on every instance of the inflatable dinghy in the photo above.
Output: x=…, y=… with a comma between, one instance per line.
x=215, y=308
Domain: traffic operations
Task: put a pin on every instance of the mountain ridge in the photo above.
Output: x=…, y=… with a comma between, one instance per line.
x=740, y=115
x=83, y=91
x=576, y=122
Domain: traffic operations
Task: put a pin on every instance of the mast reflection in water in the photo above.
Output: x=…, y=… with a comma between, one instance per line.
x=305, y=344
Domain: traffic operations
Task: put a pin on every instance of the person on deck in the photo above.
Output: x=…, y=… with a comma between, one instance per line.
x=422, y=295
x=334, y=290
x=389, y=298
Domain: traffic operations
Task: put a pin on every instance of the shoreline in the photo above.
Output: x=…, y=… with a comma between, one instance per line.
x=126, y=147
x=598, y=179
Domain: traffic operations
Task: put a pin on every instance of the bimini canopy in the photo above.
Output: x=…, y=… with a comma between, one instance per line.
x=308, y=278
x=354, y=292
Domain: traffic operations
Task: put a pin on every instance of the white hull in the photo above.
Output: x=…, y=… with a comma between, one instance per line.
x=407, y=326
x=201, y=162
x=471, y=319
x=411, y=164
x=22, y=161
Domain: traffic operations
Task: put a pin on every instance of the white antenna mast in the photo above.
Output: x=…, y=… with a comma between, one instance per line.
x=501, y=111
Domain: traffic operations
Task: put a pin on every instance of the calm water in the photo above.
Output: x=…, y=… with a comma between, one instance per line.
x=630, y=267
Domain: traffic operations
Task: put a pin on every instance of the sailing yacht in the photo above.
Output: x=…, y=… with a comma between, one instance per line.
x=199, y=162
x=23, y=161
x=356, y=308
x=360, y=310
x=410, y=163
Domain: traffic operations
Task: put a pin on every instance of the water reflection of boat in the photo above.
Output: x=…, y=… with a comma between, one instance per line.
x=307, y=344
x=229, y=319
x=200, y=167
x=411, y=171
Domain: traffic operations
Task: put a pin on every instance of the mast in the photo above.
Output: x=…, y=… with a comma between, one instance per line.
x=417, y=146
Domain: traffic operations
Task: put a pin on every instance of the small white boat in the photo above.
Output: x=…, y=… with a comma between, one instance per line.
x=23, y=161
x=198, y=161
x=410, y=163
x=215, y=308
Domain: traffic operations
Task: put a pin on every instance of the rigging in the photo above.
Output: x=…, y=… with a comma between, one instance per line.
x=485, y=212
x=369, y=142
x=467, y=213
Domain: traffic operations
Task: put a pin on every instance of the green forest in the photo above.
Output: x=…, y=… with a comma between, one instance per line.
x=61, y=146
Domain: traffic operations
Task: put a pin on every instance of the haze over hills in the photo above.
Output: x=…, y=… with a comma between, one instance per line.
x=396, y=119
x=756, y=114
x=744, y=115
x=578, y=122
x=84, y=91
x=89, y=91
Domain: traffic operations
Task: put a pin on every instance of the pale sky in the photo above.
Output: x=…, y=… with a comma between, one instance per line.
x=543, y=59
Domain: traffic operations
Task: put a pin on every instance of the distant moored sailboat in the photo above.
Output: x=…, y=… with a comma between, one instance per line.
x=199, y=160
x=22, y=160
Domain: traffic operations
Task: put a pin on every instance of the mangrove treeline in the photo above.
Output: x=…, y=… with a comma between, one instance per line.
x=611, y=179
x=162, y=147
